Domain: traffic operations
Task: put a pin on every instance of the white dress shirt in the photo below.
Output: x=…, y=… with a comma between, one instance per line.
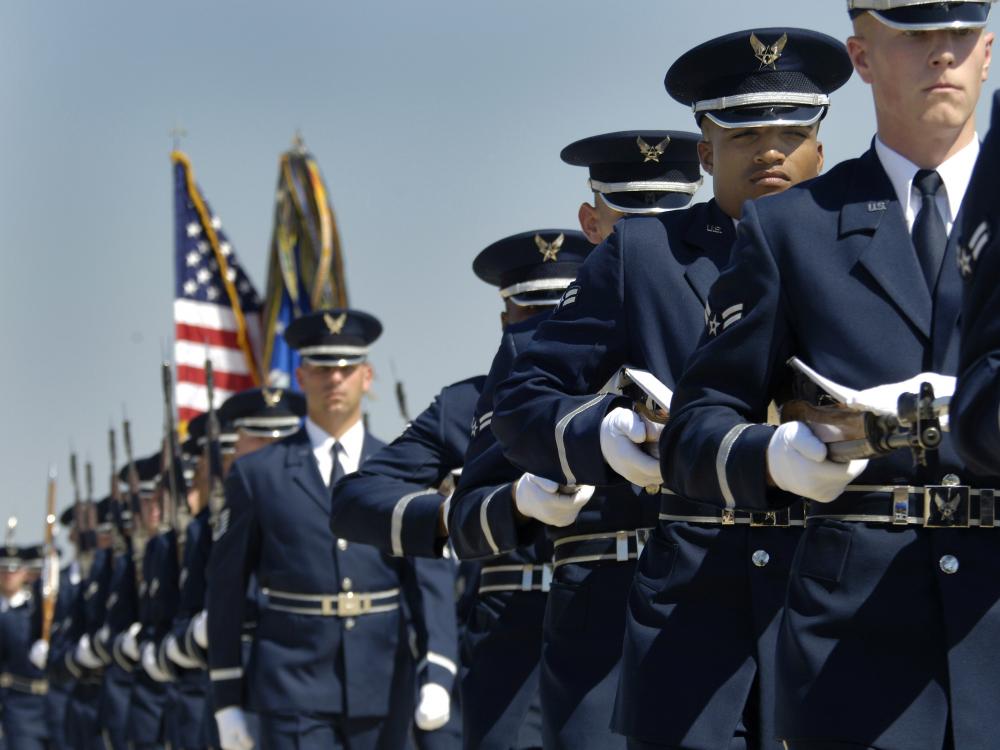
x=955, y=172
x=322, y=446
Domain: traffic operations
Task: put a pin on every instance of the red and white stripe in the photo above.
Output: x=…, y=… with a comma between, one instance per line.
x=204, y=330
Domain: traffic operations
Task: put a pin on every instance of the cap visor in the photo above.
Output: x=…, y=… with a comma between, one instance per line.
x=762, y=117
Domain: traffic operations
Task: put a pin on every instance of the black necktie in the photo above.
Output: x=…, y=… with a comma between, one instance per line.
x=929, y=234
x=336, y=471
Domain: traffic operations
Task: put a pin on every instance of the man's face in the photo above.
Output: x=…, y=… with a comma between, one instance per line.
x=334, y=390
x=246, y=443
x=747, y=163
x=597, y=220
x=152, y=511
x=12, y=581
x=921, y=79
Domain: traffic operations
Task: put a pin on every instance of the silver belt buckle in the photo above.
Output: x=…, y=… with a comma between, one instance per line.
x=348, y=604
x=900, y=506
x=946, y=505
x=728, y=517
x=762, y=519
x=987, y=508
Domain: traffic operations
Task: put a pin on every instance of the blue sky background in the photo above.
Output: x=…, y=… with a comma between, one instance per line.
x=437, y=126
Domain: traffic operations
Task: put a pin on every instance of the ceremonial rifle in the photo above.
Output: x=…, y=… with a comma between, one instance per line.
x=400, y=394
x=138, y=538
x=172, y=466
x=213, y=451
x=80, y=518
x=50, y=566
x=119, y=512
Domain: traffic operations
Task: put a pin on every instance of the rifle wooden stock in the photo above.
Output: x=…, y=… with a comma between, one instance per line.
x=50, y=571
x=845, y=432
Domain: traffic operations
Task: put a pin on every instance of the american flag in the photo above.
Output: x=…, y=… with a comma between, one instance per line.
x=216, y=308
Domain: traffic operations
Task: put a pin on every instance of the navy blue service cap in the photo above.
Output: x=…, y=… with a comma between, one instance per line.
x=265, y=412
x=761, y=77
x=334, y=338
x=148, y=469
x=640, y=171
x=194, y=446
x=533, y=268
x=924, y=15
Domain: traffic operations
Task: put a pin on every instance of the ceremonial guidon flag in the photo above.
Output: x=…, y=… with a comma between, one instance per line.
x=306, y=268
x=216, y=308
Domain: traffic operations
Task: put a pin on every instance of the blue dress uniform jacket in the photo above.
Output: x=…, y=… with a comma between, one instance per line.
x=193, y=711
x=150, y=719
x=975, y=407
x=392, y=502
x=277, y=523
x=25, y=714
x=878, y=639
x=640, y=300
x=119, y=672
x=503, y=641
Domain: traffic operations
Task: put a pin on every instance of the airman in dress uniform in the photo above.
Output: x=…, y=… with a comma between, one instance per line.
x=331, y=663
x=23, y=684
x=631, y=173
x=259, y=416
x=639, y=300
x=891, y=610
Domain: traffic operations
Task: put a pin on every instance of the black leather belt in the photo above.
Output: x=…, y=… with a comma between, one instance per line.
x=673, y=508
x=343, y=604
x=950, y=505
x=514, y=578
x=614, y=546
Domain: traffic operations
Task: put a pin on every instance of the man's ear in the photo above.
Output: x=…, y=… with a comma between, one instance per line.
x=589, y=223
x=706, y=155
x=503, y=320
x=990, y=36
x=857, y=50
x=368, y=375
x=298, y=377
x=820, y=158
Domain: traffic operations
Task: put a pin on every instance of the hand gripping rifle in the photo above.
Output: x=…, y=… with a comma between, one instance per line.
x=50, y=566
x=650, y=399
x=851, y=434
x=213, y=451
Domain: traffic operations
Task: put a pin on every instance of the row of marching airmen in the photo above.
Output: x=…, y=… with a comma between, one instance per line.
x=723, y=486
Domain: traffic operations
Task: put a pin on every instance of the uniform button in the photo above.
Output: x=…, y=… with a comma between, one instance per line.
x=949, y=564
x=760, y=558
x=346, y=584
x=341, y=544
x=349, y=623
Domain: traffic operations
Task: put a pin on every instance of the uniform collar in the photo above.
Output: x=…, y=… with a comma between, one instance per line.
x=956, y=172
x=351, y=441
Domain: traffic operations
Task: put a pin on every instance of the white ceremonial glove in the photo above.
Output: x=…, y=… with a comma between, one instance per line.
x=130, y=646
x=233, y=731
x=797, y=462
x=150, y=665
x=882, y=399
x=39, y=654
x=84, y=654
x=103, y=635
x=175, y=654
x=623, y=432
x=540, y=498
x=433, y=708
x=199, y=628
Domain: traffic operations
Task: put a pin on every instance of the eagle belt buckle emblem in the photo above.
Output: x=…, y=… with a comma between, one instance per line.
x=946, y=506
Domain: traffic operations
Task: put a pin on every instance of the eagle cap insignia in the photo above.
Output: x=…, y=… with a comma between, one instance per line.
x=335, y=325
x=652, y=153
x=768, y=54
x=549, y=250
x=271, y=396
